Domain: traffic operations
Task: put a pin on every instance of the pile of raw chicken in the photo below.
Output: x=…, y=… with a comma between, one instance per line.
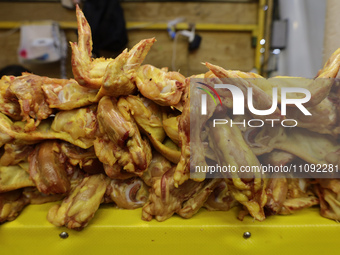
x=119, y=133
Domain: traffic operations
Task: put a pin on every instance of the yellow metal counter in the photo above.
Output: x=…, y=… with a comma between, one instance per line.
x=116, y=231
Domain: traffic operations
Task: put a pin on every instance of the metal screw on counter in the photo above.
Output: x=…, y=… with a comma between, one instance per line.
x=63, y=235
x=246, y=235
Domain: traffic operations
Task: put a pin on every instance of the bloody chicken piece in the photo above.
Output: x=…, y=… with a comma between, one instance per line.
x=162, y=87
x=85, y=159
x=9, y=104
x=148, y=117
x=277, y=158
x=197, y=200
x=34, y=108
x=128, y=194
x=276, y=191
x=36, y=197
x=11, y=204
x=114, y=77
x=248, y=189
x=79, y=207
x=104, y=149
x=15, y=153
x=80, y=124
x=47, y=168
x=14, y=177
x=170, y=125
x=158, y=166
x=116, y=172
x=191, y=138
x=182, y=171
x=120, y=74
x=131, y=152
x=165, y=199
x=328, y=192
x=323, y=120
x=299, y=196
x=7, y=133
x=221, y=198
x=67, y=94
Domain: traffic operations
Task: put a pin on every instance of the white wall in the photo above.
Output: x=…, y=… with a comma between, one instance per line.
x=306, y=21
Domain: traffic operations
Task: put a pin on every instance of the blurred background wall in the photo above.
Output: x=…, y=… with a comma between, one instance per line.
x=304, y=53
x=231, y=32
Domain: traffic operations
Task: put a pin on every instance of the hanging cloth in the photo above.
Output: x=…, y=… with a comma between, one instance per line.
x=106, y=19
